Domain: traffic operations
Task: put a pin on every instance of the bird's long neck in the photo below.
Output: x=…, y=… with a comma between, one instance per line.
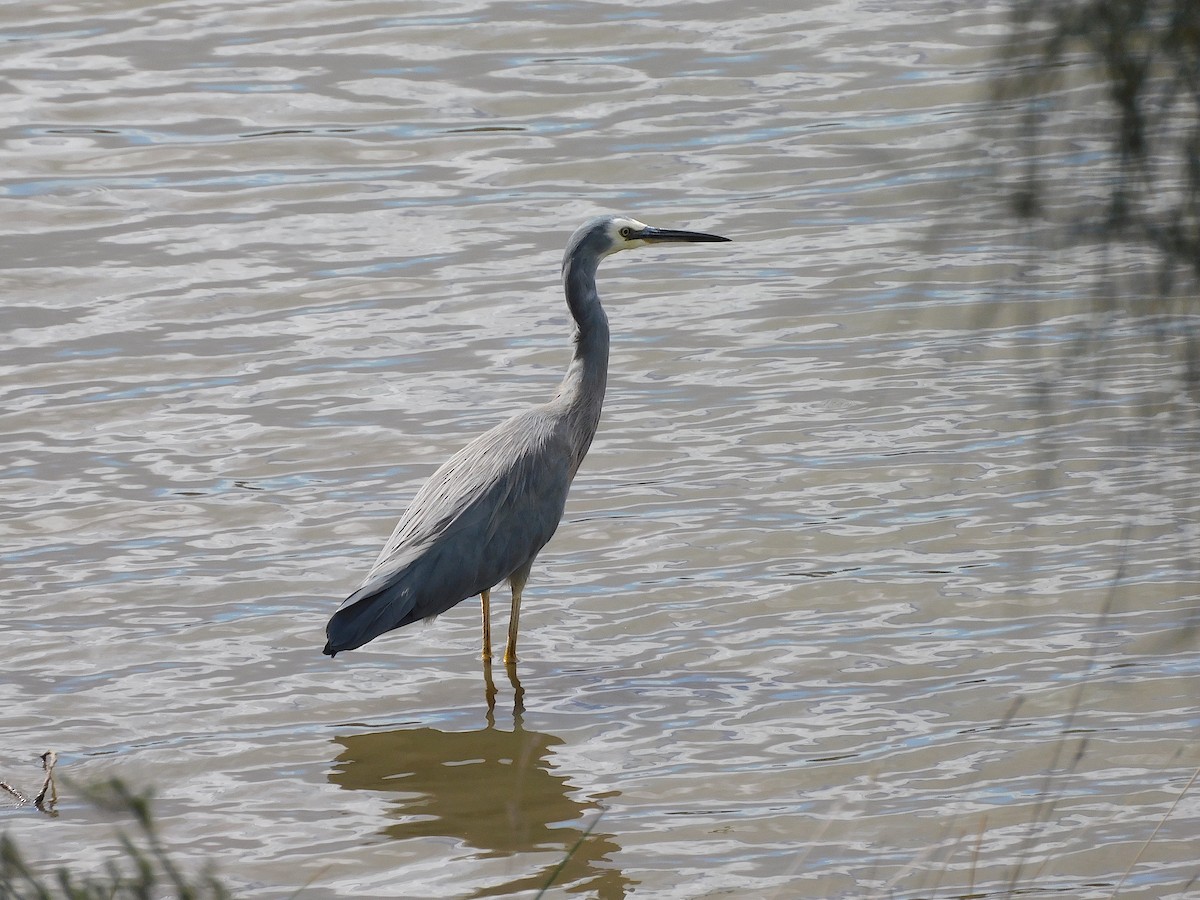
x=581, y=394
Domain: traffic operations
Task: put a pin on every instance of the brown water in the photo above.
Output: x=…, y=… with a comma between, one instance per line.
x=841, y=597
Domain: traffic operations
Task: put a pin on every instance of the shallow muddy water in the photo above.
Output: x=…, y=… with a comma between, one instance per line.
x=843, y=593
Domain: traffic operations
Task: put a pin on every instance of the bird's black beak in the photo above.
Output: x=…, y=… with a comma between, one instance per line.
x=669, y=235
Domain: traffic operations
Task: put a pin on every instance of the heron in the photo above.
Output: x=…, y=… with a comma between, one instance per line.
x=483, y=517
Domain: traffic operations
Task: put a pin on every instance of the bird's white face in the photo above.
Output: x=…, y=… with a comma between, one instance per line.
x=623, y=233
x=604, y=235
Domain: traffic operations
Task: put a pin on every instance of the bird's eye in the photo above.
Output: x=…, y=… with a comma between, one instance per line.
x=626, y=232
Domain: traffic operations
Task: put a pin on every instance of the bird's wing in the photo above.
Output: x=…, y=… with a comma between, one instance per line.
x=481, y=517
x=489, y=509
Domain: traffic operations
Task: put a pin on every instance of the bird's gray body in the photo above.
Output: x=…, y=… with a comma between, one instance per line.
x=483, y=516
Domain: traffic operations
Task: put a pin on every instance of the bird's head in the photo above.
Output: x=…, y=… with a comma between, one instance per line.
x=605, y=235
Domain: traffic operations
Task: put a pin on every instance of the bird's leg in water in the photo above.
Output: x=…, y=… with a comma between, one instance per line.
x=487, y=625
x=517, y=581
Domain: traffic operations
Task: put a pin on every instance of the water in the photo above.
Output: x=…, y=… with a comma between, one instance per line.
x=883, y=542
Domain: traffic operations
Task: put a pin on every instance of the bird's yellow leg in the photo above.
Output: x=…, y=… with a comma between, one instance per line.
x=485, y=596
x=510, y=649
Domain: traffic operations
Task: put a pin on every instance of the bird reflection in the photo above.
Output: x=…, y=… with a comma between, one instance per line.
x=489, y=692
x=490, y=789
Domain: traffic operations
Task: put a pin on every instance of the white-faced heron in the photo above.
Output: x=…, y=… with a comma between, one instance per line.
x=484, y=515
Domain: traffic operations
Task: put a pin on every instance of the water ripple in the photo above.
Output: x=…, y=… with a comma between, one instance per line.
x=850, y=565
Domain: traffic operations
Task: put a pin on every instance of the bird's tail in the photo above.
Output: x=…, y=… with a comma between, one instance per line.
x=367, y=613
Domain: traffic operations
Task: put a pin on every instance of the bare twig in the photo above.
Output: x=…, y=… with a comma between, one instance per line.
x=1154, y=833
x=49, y=760
x=567, y=858
x=22, y=800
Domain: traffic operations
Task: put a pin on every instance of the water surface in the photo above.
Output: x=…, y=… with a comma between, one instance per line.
x=868, y=564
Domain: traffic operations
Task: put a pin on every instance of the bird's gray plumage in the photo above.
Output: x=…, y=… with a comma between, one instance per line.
x=487, y=512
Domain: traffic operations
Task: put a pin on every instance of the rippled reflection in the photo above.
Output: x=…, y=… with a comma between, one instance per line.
x=493, y=791
x=489, y=691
